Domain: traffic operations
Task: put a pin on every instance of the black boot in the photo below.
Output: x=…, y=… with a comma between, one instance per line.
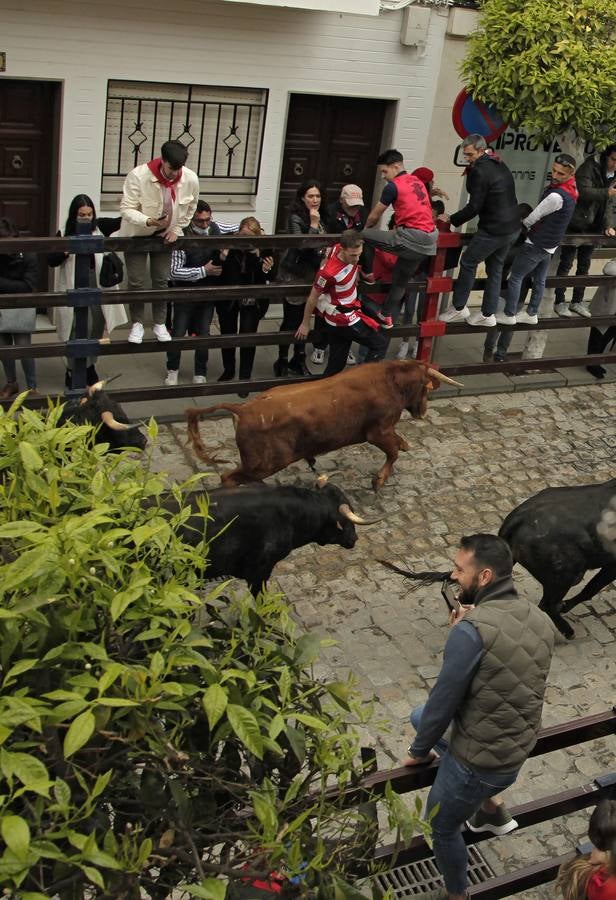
x=227, y=375
x=281, y=368
x=91, y=375
x=298, y=366
x=597, y=371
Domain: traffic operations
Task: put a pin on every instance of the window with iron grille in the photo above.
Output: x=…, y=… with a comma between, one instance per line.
x=222, y=128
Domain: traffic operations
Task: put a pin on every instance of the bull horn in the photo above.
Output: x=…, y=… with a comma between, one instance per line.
x=434, y=373
x=346, y=511
x=113, y=423
x=322, y=480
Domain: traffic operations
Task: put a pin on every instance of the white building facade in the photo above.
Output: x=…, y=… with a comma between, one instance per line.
x=265, y=96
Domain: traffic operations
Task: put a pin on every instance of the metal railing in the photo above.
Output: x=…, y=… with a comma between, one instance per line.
x=428, y=329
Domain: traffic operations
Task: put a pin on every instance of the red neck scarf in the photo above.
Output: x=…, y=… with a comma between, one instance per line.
x=155, y=167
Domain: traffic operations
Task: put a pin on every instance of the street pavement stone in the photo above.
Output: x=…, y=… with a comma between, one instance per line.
x=471, y=461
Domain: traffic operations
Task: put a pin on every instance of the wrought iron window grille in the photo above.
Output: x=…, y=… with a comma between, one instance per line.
x=225, y=136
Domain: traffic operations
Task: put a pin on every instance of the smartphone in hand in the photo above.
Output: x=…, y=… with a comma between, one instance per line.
x=450, y=597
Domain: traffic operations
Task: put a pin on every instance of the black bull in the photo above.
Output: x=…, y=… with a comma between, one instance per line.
x=558, y=535
x=99, y=409
x=250, y=529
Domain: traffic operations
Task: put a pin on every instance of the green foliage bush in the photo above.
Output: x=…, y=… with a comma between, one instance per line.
x=151, y=736
x=547, y=66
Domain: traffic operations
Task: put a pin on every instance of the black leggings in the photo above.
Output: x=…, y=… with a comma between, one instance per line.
x=249, y=317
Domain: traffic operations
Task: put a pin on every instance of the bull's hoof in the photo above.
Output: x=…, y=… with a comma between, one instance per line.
x=377, y=482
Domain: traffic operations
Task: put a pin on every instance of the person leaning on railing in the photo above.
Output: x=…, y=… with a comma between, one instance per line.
x=18, y=275
x=101, y=319
x=243, y=267
x=159, y=199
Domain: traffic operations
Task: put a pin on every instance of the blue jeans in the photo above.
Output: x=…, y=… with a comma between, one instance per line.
x=200, y=316
x=459, y=791
x=530, y=259
x=491, y=249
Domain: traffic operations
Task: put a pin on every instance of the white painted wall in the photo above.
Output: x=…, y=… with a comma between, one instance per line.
x=358, y=7
x=198, y=41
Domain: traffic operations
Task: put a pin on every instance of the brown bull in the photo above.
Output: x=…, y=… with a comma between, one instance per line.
x=302, y=421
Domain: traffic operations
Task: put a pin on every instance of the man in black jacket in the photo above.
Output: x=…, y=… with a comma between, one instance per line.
x=491, y=190
x=18, y=275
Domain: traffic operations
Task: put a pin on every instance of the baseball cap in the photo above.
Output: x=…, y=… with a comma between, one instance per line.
x=352, y=195
x=424, y=174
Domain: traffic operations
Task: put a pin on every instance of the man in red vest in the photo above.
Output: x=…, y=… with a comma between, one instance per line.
x=414, y=236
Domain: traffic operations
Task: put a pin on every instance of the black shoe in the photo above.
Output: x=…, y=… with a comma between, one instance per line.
x=298, y=366
x=597, y=371
x=242, y=394
x=499, y=822
x=487, y=355
x=227, y=375
x=281, y=368
x=91, y=375
x=68, y=379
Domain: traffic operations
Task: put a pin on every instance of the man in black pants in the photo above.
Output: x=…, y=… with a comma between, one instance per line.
x=334, y=295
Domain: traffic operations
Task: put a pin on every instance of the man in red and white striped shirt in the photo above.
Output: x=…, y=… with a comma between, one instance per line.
x=334, y=296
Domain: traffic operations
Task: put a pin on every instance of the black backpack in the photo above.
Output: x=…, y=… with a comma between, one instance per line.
x=112, y=270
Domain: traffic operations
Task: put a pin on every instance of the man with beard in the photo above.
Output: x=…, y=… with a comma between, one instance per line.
x=484, y=712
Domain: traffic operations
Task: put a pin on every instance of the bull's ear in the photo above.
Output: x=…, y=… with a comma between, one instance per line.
x=338, y=525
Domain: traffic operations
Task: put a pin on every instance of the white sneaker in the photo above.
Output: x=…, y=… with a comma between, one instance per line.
x=161, y=333
x=504, y=319
x=351, y=361
x=136, y=333
x=403, y=350
x=317, y=357
x=581, y=309
x=172, y=378
x=478, y=319
x=455, y=315
x=561, y=309
x=525, y=318
x=199, y=379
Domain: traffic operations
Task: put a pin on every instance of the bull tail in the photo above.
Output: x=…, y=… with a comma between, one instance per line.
x=423, y=577
x=193, y=417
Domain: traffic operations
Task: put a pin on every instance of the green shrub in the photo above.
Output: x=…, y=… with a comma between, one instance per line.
x=547, y=66
x=151, y=736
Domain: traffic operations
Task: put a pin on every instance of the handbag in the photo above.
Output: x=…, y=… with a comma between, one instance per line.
x=112, y=270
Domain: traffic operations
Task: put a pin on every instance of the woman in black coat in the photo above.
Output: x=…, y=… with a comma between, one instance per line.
x=249, y=267
x=18, y=275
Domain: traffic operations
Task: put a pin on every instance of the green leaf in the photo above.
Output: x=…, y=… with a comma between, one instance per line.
x=297, y=741
x=18, y=529
x=30, y=457
x=94, y=875
x=311, y=722
x=29, y=770
x=24, y=665
x=209, y=889
x=308, y=649
x=246, y=727
x=62, y=793
x=16, y=834
x=110, y=675
x=79, y=733
x=101, y=783
x=214, y=702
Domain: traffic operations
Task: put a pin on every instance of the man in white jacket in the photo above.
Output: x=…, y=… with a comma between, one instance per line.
x=159, y=198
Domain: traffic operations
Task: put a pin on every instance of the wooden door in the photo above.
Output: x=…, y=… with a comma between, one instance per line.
x=333, y=139
x=28, y=153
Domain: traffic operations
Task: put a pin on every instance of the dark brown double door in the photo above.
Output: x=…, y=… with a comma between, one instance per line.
x=333, y=139
x=28, y=153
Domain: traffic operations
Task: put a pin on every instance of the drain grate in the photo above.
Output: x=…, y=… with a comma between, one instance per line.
x=416, y=878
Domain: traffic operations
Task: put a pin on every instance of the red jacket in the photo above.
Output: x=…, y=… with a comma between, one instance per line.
x=601, y=886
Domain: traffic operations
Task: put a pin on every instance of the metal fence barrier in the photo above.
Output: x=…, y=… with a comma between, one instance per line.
x=437, y=282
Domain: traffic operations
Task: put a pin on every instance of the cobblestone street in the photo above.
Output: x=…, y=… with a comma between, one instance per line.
x=471, y=461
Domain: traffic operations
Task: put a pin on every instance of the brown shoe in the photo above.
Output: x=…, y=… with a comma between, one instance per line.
x=10, y=389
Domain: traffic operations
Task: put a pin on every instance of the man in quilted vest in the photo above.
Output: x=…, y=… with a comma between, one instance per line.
x=484, y=712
